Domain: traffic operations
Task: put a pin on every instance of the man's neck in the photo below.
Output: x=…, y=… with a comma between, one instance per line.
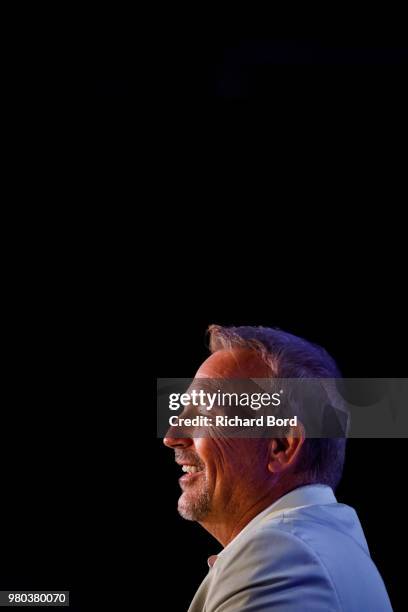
x=226, y=526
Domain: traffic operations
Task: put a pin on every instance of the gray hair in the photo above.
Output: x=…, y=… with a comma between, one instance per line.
x=289, y=356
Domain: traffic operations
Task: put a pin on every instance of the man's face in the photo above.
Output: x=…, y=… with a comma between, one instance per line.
x=222, y=472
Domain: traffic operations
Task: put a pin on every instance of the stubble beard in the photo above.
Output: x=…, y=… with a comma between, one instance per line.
x=194, y=503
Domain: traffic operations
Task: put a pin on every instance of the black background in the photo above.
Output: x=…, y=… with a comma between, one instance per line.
x=280, y=213
x=234, y=52
x=187, y=52
x=183, y=52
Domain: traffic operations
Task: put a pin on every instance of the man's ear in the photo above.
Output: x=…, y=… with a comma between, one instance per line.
x=283, y=452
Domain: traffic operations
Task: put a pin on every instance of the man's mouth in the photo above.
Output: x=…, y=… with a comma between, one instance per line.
x=190, y=469
x=192, y=472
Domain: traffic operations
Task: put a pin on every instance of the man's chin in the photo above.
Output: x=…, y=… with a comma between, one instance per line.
x=186, y=513
x=193, y=509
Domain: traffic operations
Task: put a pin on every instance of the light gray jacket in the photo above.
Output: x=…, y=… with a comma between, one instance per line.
x=306, y=552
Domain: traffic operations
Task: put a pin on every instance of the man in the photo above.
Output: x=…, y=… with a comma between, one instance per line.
x=287, y=544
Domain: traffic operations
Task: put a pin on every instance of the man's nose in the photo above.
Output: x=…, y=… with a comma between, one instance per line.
x=173, y=442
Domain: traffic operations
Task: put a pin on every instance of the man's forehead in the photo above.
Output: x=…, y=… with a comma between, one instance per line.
x=234, y=363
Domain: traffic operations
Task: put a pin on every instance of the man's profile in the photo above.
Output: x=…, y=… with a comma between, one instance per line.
x=288, y=545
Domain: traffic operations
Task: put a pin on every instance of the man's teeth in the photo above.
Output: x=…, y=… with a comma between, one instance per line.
x=191, y=469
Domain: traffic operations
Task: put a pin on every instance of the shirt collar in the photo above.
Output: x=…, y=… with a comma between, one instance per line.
x=308, y=495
